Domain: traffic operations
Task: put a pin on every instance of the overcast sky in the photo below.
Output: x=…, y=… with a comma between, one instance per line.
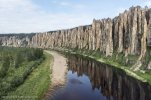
x=26, y=16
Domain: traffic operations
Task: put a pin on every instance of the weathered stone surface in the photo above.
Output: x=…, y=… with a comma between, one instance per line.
x=128, y=33
x=149, y=66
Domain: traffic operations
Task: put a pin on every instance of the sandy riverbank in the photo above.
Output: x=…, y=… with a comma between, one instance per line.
x=58, y=76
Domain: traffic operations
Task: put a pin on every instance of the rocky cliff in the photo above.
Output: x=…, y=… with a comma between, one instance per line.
x=129, y=33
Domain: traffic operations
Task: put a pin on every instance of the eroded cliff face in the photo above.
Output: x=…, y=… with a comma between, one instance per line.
x=16, y=40
x=129, y=33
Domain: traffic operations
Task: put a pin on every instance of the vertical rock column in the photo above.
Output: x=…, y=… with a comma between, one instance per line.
x=109, y=45
x=134, y=31
x=144, y=37
x=120, y=33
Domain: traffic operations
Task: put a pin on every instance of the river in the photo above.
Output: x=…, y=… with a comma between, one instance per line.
x=87, y=79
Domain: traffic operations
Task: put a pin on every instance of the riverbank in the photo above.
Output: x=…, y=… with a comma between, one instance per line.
x=37, y=82
x=58, y=76
x=140, y=75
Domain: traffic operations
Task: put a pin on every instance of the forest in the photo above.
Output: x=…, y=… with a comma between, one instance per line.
x=16, y=64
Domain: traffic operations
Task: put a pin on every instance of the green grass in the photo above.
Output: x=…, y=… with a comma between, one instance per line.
x=16, y=77
x=146, y=75
x=37, y=83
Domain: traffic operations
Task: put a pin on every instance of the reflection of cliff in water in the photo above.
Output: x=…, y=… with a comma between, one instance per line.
x=111, y=81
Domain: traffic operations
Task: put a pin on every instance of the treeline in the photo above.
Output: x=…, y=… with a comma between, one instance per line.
x=16, y=56
x=15, y=66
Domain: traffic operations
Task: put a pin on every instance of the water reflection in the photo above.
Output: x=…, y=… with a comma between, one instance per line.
x=87, y=79
x=112, y=83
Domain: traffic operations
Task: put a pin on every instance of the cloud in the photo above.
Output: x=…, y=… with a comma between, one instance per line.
x=65, y=4
x=18, y=16
x=68, y=4
x=147, y=3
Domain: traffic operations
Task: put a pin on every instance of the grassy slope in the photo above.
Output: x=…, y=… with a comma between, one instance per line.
x=37, y=82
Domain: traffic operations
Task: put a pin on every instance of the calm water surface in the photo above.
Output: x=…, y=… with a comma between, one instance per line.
x=90, y=80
